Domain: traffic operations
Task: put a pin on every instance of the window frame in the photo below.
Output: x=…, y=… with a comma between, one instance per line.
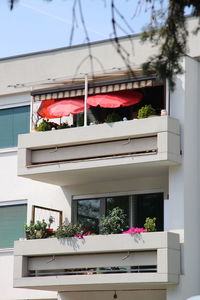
x=130, y=194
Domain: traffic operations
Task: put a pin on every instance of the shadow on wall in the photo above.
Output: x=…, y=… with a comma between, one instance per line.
x=119, y=295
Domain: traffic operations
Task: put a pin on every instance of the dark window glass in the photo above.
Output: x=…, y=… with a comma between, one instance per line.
x=88, y=214
x=119, y=201
x=148, y=205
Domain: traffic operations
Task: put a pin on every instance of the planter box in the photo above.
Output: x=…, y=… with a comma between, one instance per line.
x=98, y=262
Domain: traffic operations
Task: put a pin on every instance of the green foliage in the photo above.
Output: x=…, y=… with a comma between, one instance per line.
x=37, y=230
x=68, y=230
x=44, y=126
x=150, y=224
x=168, y=29
x=146, y=111
x=114, y=222
x=63, y=125
x=113, y=117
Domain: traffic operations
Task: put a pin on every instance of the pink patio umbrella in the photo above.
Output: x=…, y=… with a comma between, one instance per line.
x=115, y=99
x=51, y=109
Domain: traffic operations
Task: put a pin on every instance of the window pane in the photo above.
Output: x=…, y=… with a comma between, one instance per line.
x=88, y=214
x=13, y=121
x=21, y=122
x=119, y=201
x=12, y=221
x=148, y=205
x=6, y=126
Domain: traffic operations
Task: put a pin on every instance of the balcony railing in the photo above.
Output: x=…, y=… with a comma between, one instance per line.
x=95, y=261
x=45, y=156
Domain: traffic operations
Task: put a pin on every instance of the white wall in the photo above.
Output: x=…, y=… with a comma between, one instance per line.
x=15, y=188
x=149, y=294
x=7, y=292
x=184, y=188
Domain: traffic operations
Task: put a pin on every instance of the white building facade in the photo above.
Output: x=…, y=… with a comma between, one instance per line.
x=146, y=166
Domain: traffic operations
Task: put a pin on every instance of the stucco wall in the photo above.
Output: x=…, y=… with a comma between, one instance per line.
x=149, y=294
x=184, y=187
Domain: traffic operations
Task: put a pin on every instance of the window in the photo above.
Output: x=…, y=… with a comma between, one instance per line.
x=13, y=121
x=137, y=208
x=12, y=221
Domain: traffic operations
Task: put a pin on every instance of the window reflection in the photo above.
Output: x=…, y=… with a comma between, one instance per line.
x=136, y=207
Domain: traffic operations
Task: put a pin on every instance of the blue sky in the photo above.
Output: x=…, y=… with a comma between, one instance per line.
x=36, y=25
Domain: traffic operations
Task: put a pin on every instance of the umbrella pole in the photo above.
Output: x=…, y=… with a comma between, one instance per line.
x=85, y=100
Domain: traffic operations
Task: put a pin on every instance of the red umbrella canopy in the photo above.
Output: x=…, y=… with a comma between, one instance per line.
x=115, y=99
x=51, y=109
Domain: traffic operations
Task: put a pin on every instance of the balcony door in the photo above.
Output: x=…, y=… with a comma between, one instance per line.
x=137, y=208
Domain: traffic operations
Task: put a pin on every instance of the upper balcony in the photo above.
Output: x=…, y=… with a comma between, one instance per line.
x=98, y=262
x=99, y=152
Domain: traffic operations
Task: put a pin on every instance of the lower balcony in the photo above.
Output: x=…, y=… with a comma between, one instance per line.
x=98, y=262
x=100, y=152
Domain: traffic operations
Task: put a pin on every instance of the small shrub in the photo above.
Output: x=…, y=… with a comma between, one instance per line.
x=68, y=230
x=114, y=222
x=113, y=117
x=37, y=230
x=44, y=126
x=146, y=111
x=150, y=224
x=63, y=125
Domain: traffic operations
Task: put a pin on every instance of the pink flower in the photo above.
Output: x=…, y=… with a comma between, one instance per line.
x=133, y=230
x=81, y=236
x=130, y=231
x=140, y=230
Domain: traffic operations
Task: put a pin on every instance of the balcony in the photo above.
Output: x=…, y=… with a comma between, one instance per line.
x=98, y=262
x=99, y=152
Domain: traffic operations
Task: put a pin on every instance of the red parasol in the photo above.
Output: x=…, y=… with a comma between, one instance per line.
x=51, y=109
x=115, y=99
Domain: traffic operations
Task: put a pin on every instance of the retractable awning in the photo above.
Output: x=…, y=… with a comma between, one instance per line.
x=94, y=87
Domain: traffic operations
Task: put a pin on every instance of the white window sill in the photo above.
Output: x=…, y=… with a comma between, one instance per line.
x=8, y=150
x=6, y=250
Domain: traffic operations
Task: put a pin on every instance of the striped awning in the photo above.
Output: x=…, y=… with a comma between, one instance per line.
x=93, y=88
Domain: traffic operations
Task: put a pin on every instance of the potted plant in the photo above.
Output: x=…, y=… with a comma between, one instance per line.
x=68, y=230
x=45, y=125
x=146, y=111
x=114, y=222
x=150, y=224
x=37, y=230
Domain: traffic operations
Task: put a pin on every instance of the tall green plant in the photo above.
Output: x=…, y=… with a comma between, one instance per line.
x=114, y=222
